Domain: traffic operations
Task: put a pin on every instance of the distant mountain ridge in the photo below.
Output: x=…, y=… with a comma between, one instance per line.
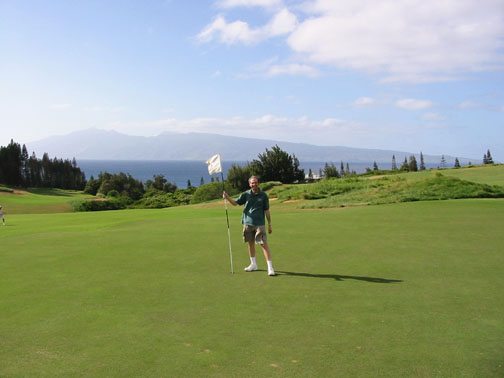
x=95, y=144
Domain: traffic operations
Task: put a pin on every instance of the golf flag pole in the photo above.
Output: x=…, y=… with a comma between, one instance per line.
x=214, y=166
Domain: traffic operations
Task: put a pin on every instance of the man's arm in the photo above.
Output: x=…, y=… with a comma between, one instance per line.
x=229, y=199
x=268, y=218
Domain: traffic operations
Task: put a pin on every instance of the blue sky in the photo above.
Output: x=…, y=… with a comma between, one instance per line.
x=410, y=75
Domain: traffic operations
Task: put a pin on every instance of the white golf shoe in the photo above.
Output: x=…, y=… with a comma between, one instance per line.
x=250, y=268
x=271, y=272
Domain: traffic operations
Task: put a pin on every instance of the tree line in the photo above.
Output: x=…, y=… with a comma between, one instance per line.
x=120, y=190
x=19, y=169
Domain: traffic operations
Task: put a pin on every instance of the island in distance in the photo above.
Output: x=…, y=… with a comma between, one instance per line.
x=96, y=144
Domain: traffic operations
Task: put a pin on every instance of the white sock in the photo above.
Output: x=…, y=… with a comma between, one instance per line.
x=270, y=264
x=253, y=261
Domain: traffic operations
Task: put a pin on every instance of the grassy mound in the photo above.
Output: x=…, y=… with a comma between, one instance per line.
x=385, y=189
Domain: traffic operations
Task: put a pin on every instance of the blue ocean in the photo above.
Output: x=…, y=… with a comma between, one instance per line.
x=180, y=172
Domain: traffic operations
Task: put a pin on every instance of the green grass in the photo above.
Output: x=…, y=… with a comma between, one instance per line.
x=489, y=174
x=39, y=201
x=401, y=290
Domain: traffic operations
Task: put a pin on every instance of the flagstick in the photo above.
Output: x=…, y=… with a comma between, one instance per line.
x=227, y=219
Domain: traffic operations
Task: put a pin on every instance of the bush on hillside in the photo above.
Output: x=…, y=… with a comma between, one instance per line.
x=268, y=185
x=238, y=176
x=211, y=191
x=101, y=205
x=277, y=165
x=159, y=199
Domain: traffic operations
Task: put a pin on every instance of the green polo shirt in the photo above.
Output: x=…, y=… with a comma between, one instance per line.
x=255, y=206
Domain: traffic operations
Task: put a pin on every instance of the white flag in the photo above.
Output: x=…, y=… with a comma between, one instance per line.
x=214, y=165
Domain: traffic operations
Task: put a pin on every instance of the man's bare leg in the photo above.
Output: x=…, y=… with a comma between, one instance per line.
x=252, y=255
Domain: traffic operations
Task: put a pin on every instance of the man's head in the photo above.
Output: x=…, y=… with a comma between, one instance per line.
x=254, y=183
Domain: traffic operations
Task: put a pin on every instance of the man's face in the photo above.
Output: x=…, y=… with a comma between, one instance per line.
x=254, y=185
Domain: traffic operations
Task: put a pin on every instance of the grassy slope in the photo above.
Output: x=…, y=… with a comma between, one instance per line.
x=39, y=201
x=410, y=289
x=492, y=174
x=483, y=174
x=403, y=187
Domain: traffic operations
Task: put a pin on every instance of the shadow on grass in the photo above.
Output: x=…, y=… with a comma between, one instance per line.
x=338, y=277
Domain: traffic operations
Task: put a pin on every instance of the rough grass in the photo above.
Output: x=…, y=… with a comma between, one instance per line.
x=401, y=290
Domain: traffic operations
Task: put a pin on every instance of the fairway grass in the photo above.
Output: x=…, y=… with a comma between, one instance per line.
x=401, y=290
x=40, y=200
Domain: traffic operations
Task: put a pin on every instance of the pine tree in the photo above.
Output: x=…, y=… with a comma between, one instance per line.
x=375, y=166
x=342, y=170
x=394, y=165
x=457, y=163
x=201, y=181
x=189, y=185
x=489, y=159
x=405, y=165
x=443, y=161
x=347, y=169
x=422, y=163
x=412, y=165
x=25, y=166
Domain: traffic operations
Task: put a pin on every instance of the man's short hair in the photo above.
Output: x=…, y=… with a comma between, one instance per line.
x=253, y=177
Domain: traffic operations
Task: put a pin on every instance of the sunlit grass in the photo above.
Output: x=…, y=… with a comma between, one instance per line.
x=410, y=289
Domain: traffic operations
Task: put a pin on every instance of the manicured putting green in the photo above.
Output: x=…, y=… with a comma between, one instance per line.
x=411, y=289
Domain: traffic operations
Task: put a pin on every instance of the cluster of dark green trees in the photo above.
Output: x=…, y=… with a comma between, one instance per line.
x=271, y=165
x=487, y=158
x=121, y=190
x=17, y=168
x=408, y=165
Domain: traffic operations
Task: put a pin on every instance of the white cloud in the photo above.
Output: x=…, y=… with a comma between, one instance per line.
x=412, y=40
x=291, y=69
x=364, y=101
x=282, y=22
x=412, y=104
x=229, y=33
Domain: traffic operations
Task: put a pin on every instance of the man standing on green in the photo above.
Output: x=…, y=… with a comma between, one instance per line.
x=256, y=208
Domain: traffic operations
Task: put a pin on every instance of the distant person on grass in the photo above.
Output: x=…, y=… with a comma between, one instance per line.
x=254, y=230
x=2, y=215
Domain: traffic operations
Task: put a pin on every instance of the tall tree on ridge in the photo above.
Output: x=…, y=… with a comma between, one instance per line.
x=422, y=163
x=394, y=164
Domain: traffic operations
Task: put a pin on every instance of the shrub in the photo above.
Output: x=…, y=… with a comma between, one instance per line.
x=268, y=185
x=211, y=191
x=100, y=205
